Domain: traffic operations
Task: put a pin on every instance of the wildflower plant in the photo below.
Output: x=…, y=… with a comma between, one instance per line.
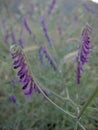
x=24, y=72
x=57, y=87
x=83, y=51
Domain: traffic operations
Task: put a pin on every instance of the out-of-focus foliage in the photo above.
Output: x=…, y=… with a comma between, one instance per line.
x=35, y=112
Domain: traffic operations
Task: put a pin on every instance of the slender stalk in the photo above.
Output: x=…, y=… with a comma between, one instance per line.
x=90, y=99
x=37, y=83
x=66, y=112
x=81, y=126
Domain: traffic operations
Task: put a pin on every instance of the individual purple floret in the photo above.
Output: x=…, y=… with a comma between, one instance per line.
x=43, y=24
x=51, y=6
x=24, y=74
x=83, y=51
x=12, y=98
x=44, y=52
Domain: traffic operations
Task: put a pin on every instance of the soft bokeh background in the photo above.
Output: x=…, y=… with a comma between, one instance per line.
x=64, y=26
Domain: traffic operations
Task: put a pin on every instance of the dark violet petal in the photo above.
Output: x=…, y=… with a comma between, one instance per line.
x=25, y=72
x=29, y=91
x=18, y=60
x=25, y=85
x=22, y=76
x=22, y=70
x=18, y=63
x=86, y=50
x=16, y=66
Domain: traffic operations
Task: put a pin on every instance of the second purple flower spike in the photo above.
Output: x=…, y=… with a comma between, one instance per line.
x=83, y=51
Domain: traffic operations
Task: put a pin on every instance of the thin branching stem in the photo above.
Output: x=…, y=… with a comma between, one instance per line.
x=90, y=99
x=37, y=83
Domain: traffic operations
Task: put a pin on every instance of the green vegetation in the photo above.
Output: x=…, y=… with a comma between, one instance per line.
x=35, y=112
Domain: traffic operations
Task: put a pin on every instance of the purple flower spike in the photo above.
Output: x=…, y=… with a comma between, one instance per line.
x=51, y=6
x=43, y=24
x=26, y=25
x=23, y=73
x=43, y=51
x=83, y=51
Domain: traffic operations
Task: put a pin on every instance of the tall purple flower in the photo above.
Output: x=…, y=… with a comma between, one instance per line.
x=83, y=51
x=44, y=52
x=43, y=24
x=51, y=6
x=26, y=25
x=23, y=73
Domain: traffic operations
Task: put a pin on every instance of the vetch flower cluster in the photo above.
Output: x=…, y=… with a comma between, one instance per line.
x=83, y=51
x=45, y=30
x=44, y=52
x=24, y=74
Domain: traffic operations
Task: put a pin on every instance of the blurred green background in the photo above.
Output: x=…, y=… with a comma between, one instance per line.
x=35, y=112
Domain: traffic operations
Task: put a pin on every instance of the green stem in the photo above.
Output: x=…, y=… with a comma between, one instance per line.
x=88, y=102
x=37, y=83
